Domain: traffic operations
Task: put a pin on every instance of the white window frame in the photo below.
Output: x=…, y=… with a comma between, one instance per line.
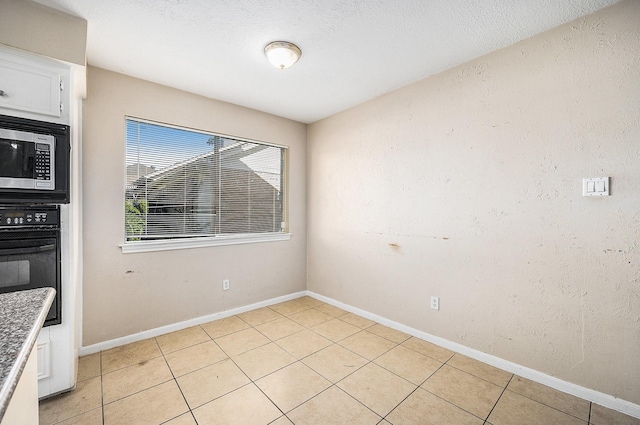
x=129, y=247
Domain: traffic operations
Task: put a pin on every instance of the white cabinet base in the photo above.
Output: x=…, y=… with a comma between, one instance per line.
x=23, y=407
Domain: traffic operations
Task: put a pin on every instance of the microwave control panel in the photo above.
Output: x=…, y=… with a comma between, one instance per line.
x=43, y=161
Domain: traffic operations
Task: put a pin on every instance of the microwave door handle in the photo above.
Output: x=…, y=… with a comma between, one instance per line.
x=30, y=250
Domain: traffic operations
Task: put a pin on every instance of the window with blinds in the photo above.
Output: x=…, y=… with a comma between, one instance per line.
x=183, y=183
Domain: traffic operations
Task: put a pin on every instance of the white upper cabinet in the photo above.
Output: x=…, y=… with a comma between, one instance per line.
x=29, y=89
x=33, y=87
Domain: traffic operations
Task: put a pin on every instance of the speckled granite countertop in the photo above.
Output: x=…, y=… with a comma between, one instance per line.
x=22, y=314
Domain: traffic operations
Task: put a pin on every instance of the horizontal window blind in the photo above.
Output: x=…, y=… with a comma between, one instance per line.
x=182, y=183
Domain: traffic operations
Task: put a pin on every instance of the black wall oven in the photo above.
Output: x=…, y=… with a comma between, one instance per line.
x=30, y=252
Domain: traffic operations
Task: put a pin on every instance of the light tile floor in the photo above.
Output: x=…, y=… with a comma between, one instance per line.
x=305, y=362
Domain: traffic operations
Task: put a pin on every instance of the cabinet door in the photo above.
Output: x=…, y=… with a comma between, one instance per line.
x=23, y=406
x=27, y=88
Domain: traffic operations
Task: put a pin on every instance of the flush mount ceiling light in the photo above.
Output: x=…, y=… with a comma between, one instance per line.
x=282, y=54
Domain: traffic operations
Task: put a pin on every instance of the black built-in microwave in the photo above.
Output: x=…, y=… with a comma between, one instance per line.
x=34, y=161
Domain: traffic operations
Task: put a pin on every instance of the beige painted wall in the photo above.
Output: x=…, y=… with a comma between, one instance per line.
x=468, y=185
x=126, y=294
x=30, y=26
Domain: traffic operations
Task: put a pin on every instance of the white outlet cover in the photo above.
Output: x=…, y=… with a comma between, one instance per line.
x=435, y=303
x=595, y=186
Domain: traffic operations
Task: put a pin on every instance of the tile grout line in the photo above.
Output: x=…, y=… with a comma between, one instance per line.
x=300, y=361
x=481, y=378
x=357, y=401
x=419, y=386
x=396, y=344
x=144, y=389
x=444, y=399
x=82, y=412
x=251, y=381
x=304, y=364
x=552, y=407
x=450, y=402
x=372, y=361
x=101, y=391
x=520, y=394
x=175, y=380
x=498, y=400
x=297, y=361
x=63, y=394
x=332, y=384
x=220, y=361
x=416, y=351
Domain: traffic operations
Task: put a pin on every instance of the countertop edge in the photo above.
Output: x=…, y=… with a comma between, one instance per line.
x=11, y=381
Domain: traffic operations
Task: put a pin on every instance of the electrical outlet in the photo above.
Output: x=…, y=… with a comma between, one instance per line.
x=435, y=303
x=225, y=284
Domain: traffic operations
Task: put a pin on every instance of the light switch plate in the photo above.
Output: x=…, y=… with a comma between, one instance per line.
x=595, y=186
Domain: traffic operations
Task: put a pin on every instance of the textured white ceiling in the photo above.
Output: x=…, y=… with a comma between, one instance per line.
x=352, y=50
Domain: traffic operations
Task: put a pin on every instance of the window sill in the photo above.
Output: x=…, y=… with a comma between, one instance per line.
x=172, y=244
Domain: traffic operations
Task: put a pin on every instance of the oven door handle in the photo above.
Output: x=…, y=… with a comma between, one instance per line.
x=30, y=250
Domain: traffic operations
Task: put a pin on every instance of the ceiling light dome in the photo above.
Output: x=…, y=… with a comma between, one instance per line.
x=282, y=54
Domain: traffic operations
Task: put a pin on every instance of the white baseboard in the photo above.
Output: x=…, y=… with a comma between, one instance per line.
x=151, y=333
x=597, y=397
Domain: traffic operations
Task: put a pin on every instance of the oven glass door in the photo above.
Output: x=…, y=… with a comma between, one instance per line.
x=28, y=264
